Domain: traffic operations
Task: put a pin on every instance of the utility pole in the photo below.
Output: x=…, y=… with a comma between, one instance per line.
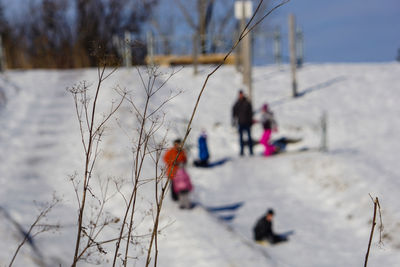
x=292, y=48
x=243, y=11
x=238, y=59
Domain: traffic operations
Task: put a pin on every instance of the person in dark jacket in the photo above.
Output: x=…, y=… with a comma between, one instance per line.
x=242, y=114
x=263, y=229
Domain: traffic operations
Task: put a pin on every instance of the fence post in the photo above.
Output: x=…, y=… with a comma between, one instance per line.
x=299, y=47
x=277, y=46
x=292, y=48
x=324, y=132
x=150, y=48
x=195, y=53
x=127, y=50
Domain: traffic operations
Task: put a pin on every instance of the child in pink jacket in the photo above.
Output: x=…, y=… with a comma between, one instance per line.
x=269, y=124
x=182, y=187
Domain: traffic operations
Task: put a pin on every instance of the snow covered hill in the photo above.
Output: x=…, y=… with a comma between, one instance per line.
x=324, y=197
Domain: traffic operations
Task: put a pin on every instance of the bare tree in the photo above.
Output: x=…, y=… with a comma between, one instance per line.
x=210, y=20
x=164, y=25
x=45, y=34
x=199, y=20
x=51, y=34
x=99, y=20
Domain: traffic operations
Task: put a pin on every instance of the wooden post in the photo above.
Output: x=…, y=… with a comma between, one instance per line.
x=299, y=47
x=324, y=132
x=150, y=48
x=195, y=53
x=292, y=48
x=238, y=53
x=127, y=50
x=241, y=45
x=246, y=55
x=247, y=65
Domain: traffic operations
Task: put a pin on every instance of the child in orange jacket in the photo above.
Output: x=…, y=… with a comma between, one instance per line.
x=173, y=158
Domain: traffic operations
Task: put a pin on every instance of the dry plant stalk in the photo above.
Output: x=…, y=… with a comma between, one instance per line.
x=91, y=132
x=36, y=229
x=150, y=122
x=377, y=207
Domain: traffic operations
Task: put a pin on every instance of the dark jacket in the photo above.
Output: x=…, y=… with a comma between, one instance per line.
x=263, y=230
x=243, y=112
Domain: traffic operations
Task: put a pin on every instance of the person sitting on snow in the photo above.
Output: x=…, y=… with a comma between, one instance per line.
x=263, y=230
x=204, y=155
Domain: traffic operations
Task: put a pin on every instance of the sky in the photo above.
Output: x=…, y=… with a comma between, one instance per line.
x=336, y=31
x=346, y=31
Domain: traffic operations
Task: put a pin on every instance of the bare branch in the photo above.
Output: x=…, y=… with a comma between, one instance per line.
x=30, y=233
x=186, y=14
x=377, y=206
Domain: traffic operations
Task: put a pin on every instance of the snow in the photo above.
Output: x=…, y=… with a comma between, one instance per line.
x=324, y=197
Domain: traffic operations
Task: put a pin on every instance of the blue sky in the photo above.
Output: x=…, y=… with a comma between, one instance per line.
x=346, y=30
x=339, y=30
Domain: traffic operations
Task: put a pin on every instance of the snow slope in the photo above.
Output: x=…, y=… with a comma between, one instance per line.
x=323, y=197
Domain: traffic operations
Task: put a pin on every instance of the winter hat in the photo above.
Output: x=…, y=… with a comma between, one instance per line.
x=203, y=133
x=265, y=107
x=177, y=141
x=270, y=212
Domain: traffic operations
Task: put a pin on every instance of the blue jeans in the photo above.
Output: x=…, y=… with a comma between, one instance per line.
x=247, y=129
